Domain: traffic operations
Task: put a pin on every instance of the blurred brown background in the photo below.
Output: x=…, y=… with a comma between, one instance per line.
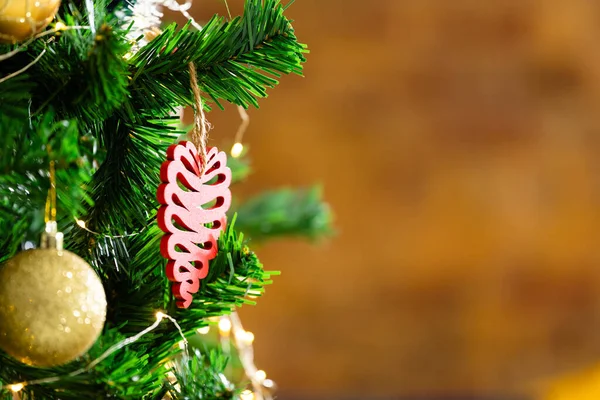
x=457, y=142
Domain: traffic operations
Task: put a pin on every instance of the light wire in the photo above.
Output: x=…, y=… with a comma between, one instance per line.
x=16, y=387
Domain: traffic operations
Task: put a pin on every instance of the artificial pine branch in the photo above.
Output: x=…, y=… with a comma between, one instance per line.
x=105, y=120
x=82, y=76
x=135, y=370
x=285, y=212
x=201, y=376
x=123, y=188
x=235, y=60
x=24, y=177
x=14, y=98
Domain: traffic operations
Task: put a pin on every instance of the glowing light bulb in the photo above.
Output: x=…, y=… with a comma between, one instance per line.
x=225, y=325
x=268, y=383
x=247, y=338
x=237, y=149
x=60, y=26
x=204, y=330
x=260, y=375
x=160, y=315
x=182, y=345
x=247, y=395
x=17, y=387
x=81, y=223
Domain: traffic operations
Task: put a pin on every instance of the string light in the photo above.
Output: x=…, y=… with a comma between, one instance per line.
x=237, y=150
x=60, y=26
x=183, y=345
x=17, y=387
x=14, y=52
x=268, y=383
x=248, y=338
x=245, y=336
x=82, y=225
x=160, y=316
x=225, y=326
x=238, y=147
x=243, y=341
x=260, y=375
x=25, y=68
x=204, y=330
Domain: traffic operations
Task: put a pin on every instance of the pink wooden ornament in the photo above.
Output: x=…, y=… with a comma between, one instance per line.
x=192, y=214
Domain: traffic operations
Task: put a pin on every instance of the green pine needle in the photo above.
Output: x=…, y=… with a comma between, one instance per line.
x=236, y=60
x=201, y=376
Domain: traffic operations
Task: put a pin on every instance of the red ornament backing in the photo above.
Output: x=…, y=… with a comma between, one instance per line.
x=191, y=228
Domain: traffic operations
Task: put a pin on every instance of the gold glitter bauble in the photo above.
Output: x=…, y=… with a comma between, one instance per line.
x=52, y=307
x=21, y=19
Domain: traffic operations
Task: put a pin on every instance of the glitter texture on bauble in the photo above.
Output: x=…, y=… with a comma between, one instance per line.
x=52, y=307
x=21, y=19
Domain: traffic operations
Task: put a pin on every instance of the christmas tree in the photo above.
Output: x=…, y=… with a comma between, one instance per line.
x=114, y=246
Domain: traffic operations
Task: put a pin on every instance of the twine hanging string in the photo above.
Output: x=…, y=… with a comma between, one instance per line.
x=199, y=135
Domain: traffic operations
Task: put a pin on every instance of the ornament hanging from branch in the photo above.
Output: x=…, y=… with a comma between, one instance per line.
x=195, y=196
x=52, y=303
x=21, y=19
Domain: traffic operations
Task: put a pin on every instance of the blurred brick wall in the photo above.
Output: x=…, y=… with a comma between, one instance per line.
x=458, y=143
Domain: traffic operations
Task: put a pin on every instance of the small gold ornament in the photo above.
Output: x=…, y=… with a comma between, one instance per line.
x=52, y=304
x=21, y=19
